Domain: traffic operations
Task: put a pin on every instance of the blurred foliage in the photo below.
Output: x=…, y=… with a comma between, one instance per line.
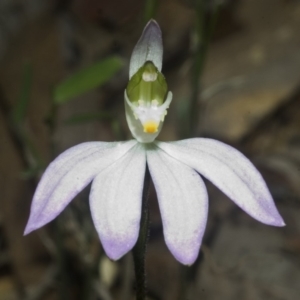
x=88, y=117
x=20, y=109
x=87, y=79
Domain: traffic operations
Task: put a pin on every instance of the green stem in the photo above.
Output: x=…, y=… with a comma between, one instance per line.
x=197, y=67
x=150, y=9
x=139, y=250
x=203, y=36
x=63, y=292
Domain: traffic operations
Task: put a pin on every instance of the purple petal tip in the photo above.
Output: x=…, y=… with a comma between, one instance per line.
x=186, y=253
x=271, y=217
x=186, y=258
x=279, y=222
x=115, y=249
x=28, y=229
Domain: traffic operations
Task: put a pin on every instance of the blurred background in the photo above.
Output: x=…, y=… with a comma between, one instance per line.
x=234, y=69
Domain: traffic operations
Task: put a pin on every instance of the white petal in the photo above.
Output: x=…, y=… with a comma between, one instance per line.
x=183, y=204
x=231, y=172
x=69, y=174
x=115, y=200
x=148, y=48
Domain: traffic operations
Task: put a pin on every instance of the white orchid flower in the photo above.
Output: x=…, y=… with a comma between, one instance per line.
x=117, y=170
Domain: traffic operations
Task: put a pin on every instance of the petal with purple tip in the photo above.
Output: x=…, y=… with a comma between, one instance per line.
x=115, y=201
x=183, y=204
x=148, y=48
x=69, y=174
x=231, y=172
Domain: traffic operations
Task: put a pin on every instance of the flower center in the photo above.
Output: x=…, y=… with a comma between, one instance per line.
x=147, y=97
x=150, y=127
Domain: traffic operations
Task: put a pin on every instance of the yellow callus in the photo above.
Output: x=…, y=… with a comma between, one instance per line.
x=150, y=127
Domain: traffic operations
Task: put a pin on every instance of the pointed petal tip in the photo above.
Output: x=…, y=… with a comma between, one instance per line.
x=278, y=222
x=152, y=34
x=115, y=249
x=152, y=21
x=187, y=252
x=270, y=217
x=282, y=224
x=28, y=229
x=26, y=232
x=114, y=255
x=36, y=222
x=148, y=48
x=184, y=257
x=152, y=24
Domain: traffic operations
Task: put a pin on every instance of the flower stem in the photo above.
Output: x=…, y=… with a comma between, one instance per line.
x=63, y=292
x=198, y=64
x=150, y=10
x=139, y=250
x=203, y=32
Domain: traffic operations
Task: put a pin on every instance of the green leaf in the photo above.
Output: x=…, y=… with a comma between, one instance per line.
x=87, y=79
x=32, y=172
x=19, y=111
x=88, y=117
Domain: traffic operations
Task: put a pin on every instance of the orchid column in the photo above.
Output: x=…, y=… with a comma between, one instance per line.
x=146, y=96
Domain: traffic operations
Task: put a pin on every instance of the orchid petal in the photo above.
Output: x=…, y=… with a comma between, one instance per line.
x=231, y=172
x=183, y=204
x=69, y=174
x=148, y=48
x=115, y=201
